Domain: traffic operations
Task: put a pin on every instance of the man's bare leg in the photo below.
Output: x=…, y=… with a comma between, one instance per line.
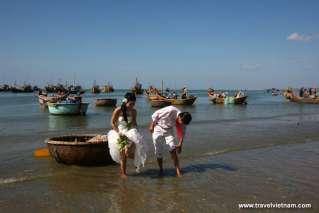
x=160, y=165
x=176, y=163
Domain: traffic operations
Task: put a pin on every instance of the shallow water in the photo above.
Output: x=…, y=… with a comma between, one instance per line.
x=266, y=151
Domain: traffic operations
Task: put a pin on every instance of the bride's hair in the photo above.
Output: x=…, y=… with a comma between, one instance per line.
x=128, y=97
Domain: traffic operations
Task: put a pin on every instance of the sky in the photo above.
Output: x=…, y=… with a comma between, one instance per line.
x=194, y=43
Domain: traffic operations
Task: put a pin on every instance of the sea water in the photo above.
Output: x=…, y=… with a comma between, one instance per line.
x=262, y=152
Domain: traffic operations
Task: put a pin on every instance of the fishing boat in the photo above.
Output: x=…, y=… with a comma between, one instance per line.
x=155, y=97
x=95, y=89
x=55, y=88
x=274, y=91
x=108, y=88
x=230, y=100
x=152, y=97
x=298, y=99
x=289, y=95
x=212, y=95
x=153, y=94
x=187, y=101
x=240, y=100
x=218, y=100
x=160, y=103
x=22, y=89
x=75, y=89
x=68, y=108
x=178, y=101
x=78, y=150
x=4, y=88
x=43, y=98
x=137, y=89
x=110, y=102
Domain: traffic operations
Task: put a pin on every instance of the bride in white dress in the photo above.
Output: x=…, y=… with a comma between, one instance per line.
x=124, y=124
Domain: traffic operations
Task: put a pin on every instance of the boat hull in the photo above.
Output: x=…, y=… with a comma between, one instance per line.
x=241, y=100
x=160, y=103
x=298, y=99
x=187, y=101
x=218, y=100
x=76, y=150
x=153, y=97
x=110, y=102
x=68, y=108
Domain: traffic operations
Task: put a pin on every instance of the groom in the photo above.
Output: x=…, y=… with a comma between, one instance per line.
x=162, y=128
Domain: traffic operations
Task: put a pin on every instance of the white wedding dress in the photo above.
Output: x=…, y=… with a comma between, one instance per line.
x=133, y=136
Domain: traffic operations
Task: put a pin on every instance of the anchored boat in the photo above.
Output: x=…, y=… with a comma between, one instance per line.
x=68, y=108
x=229, y=100
x=186, y=101
x=289, y=95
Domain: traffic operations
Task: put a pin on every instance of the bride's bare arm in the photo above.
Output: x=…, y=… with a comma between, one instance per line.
x=115, y=117
x=134, y=114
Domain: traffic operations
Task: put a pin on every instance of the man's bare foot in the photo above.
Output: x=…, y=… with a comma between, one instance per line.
x=124, y=176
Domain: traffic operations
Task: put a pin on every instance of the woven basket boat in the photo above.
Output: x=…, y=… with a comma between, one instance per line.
x=75, y=149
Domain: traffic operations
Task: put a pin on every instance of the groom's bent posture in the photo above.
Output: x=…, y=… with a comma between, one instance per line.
x=162, y=128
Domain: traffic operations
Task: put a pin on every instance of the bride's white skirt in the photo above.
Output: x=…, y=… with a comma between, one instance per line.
x=134, y=137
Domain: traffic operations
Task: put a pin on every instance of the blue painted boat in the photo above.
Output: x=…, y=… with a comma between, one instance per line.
x=68, y=108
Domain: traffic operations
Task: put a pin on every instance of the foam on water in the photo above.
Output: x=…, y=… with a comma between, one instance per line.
x=12, y=180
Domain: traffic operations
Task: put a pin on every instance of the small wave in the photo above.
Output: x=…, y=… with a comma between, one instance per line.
x=216, y=152
x=254, y=147
x=230, y=120
x=238, y=149
x=12, y=180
